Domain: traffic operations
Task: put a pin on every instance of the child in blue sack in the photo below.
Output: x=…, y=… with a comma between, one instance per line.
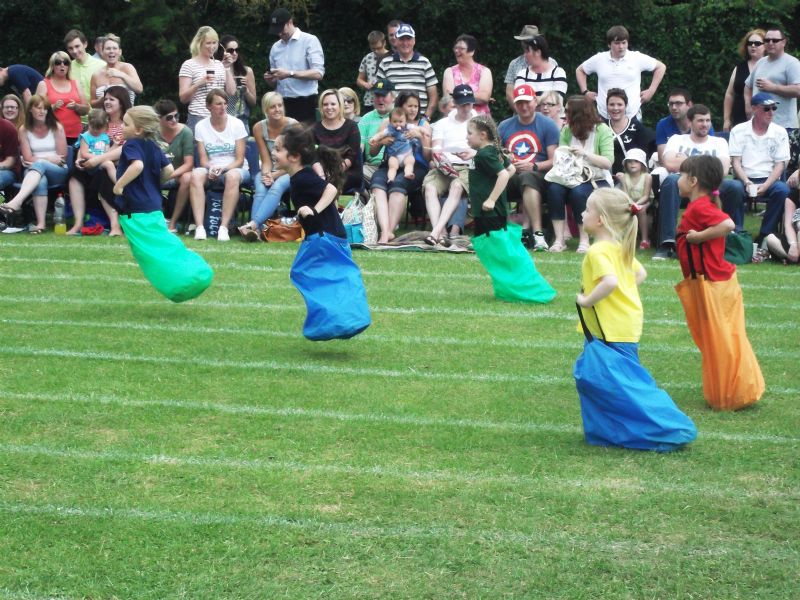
x=498, y=243
x=621, y=404
x=323, y=270
x=176, y=272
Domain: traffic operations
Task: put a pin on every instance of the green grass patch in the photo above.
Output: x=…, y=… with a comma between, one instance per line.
x=207, y=450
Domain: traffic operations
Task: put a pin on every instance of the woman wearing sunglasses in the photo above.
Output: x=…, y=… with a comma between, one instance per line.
x=751, y=49
x=64, y=95
x=179, y=142
x=241, y=102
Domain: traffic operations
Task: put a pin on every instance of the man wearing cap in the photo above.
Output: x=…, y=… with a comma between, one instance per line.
x=371, y=123
x=409, y=70
x=778, y=74
x=451, y=157
x=531, y=141
x=679, y=148
x=759, y=152
x=620, y=68
x=296, y=64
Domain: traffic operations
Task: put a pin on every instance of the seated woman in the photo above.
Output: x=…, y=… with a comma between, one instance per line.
x=339, y=133
x=352, y=106
x=390, y=198
x=785, y=247
x=466, y=70
x=13, y=110
x=629, y=133
x=179, y=142
x=43, y=147
x=221, y=143
x=551, y=105
x=87, y=181
x=588, y=137
x=115, y=72
x=273, y=183
x=64, y=95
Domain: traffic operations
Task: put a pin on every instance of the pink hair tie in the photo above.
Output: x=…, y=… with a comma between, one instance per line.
x=635, y=208
x=715, y=192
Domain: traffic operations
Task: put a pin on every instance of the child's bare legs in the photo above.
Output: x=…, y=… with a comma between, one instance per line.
x=644, y=227
x=111, y=169
x=113, y=217
x=408, y=165
x=394, y=165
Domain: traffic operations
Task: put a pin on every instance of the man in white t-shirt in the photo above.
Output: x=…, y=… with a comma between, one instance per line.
x=679, y=148
x=759, y=152
x=620, y=68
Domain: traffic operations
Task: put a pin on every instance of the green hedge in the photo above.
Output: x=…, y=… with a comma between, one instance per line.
x=696, y=40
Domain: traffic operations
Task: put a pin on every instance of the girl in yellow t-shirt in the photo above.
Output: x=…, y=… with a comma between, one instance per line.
x=621, y=404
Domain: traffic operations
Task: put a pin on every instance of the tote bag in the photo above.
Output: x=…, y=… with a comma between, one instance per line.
x=513, y=272
x=174, y=270
x=331, y=285
x=621, y=404
x=714, y=312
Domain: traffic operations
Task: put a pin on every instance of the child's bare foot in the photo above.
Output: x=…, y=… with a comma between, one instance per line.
x=409, y=175
x=115, y=232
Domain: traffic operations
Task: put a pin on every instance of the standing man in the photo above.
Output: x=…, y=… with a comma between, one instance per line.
x=409, y=70
x=391, y=33
x=531, y=142
x=83, y=64
x=296, y=64
x=778, y=74
x=370, y=124
x=679, y=148
x=759, y=152
x=22, y=79
x=620, y=68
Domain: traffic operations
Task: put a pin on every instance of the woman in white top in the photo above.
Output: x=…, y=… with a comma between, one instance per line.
x=115, y=72
x=541, y=72
x=201, y=74
x=221, y=142
x=43, y=147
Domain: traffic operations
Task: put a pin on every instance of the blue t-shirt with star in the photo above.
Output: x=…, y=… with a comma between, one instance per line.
x=528, y=143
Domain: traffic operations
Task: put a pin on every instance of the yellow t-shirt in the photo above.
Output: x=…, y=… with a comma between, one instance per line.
x=620, y=313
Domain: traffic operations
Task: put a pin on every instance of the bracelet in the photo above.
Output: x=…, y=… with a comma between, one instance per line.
x=584, y=92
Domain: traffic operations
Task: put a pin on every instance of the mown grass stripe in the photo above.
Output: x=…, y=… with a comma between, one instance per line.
x=445, y=476
x=380, y=418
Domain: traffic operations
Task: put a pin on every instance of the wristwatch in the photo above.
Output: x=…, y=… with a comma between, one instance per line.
x=291, y=73
x=535, y=167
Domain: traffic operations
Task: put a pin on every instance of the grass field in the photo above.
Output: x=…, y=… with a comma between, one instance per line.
x=206, y=450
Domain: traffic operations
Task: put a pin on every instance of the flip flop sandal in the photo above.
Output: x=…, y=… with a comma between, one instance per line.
x=35, y=231
x=7, y=210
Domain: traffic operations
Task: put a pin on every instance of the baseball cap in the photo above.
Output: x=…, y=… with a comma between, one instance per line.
x=463, y=94
x=524, y=92
x=405, y=30
x=764, y=99
x=279, y=18
x=382, y=87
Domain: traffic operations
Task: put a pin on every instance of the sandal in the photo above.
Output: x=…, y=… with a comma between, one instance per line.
x=431, y=241
x=249, y=234
x=583, y=248
x=8, y=211
x=557, y=247
x=644, y=245
x=35, y=230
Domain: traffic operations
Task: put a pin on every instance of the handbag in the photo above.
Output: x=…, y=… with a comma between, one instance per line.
x=569, y=169
x=739, y=248
x=621, y=404
x=714, y=312
x=285, y=229
x=330, y=282
x=357, y=211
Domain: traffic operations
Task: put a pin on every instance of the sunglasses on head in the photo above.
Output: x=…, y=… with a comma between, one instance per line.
x=171, y=117
x=755, y=43
x=58, y=62
x=231, y=50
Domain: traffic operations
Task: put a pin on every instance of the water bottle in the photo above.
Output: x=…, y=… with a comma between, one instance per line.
x=58, y=216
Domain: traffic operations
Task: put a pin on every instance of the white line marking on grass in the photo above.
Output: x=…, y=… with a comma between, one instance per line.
x=473, y=478
x=305, y=413
x=433, y=273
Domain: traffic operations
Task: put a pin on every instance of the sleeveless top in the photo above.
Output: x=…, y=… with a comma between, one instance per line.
x=42, y=146
x=270, y=142
x=474, y=82
x=68, y=118
x=101, y=90
x=737, y=112
x=238, y=106
x=635, y=191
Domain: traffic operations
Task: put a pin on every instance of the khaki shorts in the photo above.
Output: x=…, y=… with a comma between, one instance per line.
x=442, y=182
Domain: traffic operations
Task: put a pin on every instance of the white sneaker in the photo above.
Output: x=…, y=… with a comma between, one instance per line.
x=200, y=233
x=222, y=235
x=539, y=243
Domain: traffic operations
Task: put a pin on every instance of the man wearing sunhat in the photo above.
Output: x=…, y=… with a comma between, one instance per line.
x=531, y=141
x=759, y=151
x=296, y=64
x=409, y=70
x=371, y=123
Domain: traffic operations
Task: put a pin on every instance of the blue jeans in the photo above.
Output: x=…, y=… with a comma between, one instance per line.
x=51, y=175
x=6, y=178
x=731, y=194
x=558, y=196
x=266, y=199
x=776, y=196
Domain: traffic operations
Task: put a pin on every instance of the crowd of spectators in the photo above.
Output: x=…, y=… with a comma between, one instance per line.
x=396, y=149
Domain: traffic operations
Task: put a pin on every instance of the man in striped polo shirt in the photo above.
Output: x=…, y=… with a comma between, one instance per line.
x=409, y=70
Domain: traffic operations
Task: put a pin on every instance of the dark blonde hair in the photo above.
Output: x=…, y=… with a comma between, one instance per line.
x=332, y=92
x=346, y=92
x=145, y=118
x=743, y=43
x=49, y=119
x=215, y=92
x=20, y=109
x=97, y=119
x=619, y=219
x=486, y=124
x=63, y=56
